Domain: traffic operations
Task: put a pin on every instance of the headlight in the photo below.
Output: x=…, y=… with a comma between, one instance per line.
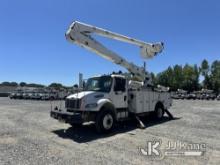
x=92, y=105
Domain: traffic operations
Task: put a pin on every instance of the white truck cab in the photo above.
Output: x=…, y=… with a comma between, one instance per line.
x=107, y=89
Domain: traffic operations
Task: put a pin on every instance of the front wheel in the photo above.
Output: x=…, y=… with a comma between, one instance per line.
x=105, y=121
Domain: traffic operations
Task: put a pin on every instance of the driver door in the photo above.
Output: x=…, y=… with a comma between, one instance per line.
x=119, y=93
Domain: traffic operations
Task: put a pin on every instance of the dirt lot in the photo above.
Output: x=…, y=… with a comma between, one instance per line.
x=29, y=136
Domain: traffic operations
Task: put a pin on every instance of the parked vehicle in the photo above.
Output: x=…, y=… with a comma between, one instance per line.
x=12, y=95
x=36, y=96
x=27, y=95
x=18, y=95
x=218, y=97
x=180, y=94
x=191, y=96
x=110, y=98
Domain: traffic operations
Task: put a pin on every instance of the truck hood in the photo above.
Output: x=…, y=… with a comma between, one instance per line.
x=82, y=94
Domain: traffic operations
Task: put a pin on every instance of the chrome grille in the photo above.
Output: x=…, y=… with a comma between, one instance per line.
x=72, y=103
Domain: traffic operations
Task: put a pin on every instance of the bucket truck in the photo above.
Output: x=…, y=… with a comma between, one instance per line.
x=108, y=99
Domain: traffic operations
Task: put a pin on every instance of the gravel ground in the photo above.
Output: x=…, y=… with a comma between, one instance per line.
x=29, y=136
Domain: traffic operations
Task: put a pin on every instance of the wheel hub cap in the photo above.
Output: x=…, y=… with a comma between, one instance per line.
x=107, y=121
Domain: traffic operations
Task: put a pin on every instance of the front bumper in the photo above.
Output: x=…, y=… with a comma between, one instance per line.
x=75, y=118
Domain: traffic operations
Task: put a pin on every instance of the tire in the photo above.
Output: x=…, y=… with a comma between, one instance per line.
x=158, y=112
x=105, y=121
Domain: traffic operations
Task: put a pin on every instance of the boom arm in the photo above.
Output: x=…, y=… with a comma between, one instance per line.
x=81, y=34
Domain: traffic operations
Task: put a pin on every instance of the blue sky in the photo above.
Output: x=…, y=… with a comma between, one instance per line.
x=33, y=47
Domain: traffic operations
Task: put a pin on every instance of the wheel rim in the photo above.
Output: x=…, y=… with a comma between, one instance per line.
x=159, y=112
x=107, y=121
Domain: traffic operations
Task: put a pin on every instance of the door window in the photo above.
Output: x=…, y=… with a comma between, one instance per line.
x=119, y=84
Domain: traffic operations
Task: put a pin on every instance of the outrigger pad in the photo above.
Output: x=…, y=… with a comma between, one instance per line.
x=141, y=124
x=169, y=114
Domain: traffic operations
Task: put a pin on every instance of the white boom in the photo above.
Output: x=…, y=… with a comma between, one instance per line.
x=81, y=34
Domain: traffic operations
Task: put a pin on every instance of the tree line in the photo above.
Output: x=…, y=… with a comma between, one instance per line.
x=23, y=84
x=185, y=77
x=188, y=77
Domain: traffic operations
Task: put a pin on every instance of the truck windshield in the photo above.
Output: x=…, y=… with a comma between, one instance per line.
x=101, y=84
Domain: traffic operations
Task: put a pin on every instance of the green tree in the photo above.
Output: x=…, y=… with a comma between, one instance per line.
x=14, y=84
x=195, y=77
x=215, y=76
x=170, y=77
x=189, y=78
x=76, y=86
x=6, y=83
x=22, y=84
x=165, y=78
x=35, y=85
x=177, y=77
x=205, y=70
x=56, y=85
x=162, y=78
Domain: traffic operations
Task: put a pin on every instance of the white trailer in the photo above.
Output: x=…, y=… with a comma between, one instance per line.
x=110, y=98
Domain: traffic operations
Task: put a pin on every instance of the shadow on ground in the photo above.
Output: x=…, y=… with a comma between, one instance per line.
x=87, y=133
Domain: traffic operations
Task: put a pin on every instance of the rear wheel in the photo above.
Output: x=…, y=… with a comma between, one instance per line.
x=105, y=121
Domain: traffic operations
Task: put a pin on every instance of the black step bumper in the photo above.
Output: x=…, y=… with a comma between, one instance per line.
x=75, y=118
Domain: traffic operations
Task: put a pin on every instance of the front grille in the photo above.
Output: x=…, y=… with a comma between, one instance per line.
x=72, y=103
